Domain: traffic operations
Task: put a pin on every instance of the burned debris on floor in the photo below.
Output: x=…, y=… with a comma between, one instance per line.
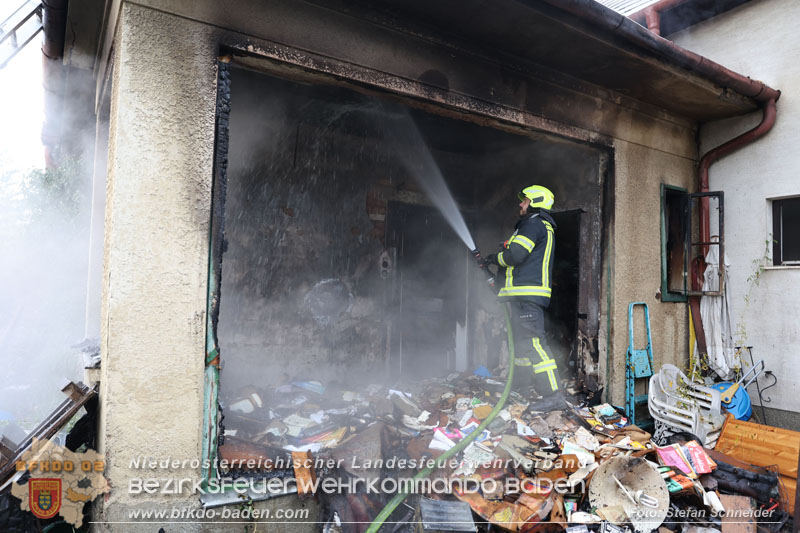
x=536, y=466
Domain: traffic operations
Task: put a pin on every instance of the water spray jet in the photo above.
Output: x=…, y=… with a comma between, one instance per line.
x=427, y=173
x=437, y=191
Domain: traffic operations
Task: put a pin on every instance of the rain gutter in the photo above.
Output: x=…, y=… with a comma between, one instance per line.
x=640, y=38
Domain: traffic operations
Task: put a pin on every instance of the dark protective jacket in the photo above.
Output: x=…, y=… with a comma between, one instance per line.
x=526, y=262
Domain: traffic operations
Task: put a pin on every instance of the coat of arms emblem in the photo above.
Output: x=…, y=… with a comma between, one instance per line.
x=45, y=497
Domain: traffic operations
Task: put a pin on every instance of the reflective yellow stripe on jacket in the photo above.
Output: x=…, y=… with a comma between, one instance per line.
x=523, y=290
x=501, y=260
x=523, y=241
x=544, y=289
x=548, y=250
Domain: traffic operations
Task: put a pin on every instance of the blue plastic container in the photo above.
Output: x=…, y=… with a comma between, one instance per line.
x=739, y=406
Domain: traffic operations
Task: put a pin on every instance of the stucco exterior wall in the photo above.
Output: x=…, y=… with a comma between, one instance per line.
x=633, y=270
x=761, y=39
x=157, y=223
x=156, y=251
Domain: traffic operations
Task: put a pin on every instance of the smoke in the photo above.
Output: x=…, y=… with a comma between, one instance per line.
x=43, y=227
x=341, y=264
x=305, y=294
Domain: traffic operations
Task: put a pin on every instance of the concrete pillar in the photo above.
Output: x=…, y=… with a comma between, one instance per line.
x=161, y=141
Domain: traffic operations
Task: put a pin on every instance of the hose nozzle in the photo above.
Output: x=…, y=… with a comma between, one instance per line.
x=484, y=266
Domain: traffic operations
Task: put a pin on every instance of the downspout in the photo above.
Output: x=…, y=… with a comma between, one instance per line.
x=651, y=15
x=698, y=264
x=54, y=23
x=767, y=121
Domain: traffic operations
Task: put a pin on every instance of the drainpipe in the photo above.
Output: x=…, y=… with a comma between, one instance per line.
x=54, y=22
x=651, y=15
x=721, y=151
x=698, y=263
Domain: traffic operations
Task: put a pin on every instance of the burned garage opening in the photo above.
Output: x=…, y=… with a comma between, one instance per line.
x=343, y=265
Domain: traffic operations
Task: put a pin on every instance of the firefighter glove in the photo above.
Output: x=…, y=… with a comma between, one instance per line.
x=491, y=259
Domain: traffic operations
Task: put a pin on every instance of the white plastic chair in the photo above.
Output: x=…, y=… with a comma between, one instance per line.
x=686, y=393
x=683, y=412
x=677, y=418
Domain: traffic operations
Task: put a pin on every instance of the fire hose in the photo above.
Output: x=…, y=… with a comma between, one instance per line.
x=402, y=495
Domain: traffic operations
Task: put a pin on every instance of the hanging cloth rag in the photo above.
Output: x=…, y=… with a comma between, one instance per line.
x=716, y=314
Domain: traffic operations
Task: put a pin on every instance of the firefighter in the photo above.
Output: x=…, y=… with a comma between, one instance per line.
x=525, y=267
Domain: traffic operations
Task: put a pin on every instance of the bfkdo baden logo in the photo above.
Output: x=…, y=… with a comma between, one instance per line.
x=44, y=497
x=60, y=482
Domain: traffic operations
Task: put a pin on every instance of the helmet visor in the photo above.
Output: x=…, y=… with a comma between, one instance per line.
x=534, y=200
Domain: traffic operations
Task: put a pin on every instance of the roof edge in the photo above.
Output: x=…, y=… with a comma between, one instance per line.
x=621, y=26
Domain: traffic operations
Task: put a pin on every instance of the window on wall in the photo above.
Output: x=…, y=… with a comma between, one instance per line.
x=673, y=243
x=786, y=231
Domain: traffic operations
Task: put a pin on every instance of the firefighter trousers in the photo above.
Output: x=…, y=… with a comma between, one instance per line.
x=533, y=362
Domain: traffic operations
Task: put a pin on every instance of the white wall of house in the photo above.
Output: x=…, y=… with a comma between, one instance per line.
x=759, y=38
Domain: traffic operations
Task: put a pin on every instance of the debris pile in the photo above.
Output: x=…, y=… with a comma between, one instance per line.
x=563, y=464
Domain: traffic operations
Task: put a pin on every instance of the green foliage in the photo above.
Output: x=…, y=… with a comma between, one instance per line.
x=753, y=280
x=698, y=366
x=56, y=192
x=698, y=363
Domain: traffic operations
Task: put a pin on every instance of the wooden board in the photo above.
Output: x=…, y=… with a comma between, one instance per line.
x=760, y=445
x=738, y=514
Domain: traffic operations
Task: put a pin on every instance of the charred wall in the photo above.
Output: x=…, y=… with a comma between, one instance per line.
x=318, y=177
x=296, y=218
